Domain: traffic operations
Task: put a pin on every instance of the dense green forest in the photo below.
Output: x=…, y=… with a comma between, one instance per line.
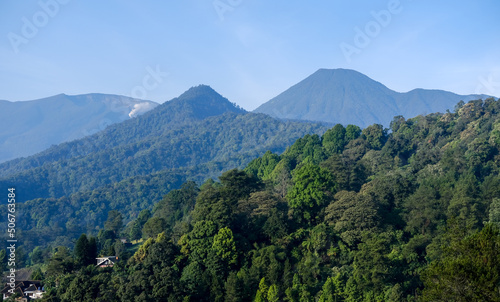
x=197, y=128
x=136, y=183
x=47, y=222
x=410, y=213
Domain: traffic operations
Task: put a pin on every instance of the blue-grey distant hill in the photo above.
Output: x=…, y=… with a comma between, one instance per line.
x=32, y=126
x=348, y=97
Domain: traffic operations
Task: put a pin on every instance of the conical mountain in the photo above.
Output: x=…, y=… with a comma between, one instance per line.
x=349, y=97
x=196, y=103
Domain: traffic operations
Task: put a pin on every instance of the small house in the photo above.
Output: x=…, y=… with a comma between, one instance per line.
x=26, y=290
x=107, y=261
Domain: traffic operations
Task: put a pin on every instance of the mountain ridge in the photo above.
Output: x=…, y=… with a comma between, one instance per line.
x=347, y=96
x=198, y=127
x=28, y=127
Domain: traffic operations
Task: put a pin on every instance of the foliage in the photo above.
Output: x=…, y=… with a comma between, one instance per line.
x=469, y=269
x=312, y=189
x=410, y=215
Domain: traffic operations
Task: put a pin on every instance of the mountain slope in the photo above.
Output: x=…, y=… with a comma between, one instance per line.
x=198, y=127
x=395, y=220
x=195, y=104
x=32, y=126
x=349, y=97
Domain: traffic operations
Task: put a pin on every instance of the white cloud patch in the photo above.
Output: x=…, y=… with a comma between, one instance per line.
x=140, y=109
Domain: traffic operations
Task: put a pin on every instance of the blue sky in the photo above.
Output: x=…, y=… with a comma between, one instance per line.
x=247, y=50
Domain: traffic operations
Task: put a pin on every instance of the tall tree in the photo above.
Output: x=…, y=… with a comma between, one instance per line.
x=334, y=139
x=82, y=252
x=114, y=222
x=312, y=190
x=375, y=135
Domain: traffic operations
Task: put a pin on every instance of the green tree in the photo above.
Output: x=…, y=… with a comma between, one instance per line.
x=465, y=204
x=135, y=231
x=262, y=167
x=352, y=132
x=61, y=262
x=176, y=204
x=82, y=252
x=114, y=222
x=198, y=243
x=262, y=292
x=273, y=294
x=351, y=214
x=396, y=123
x=458, y=106
x=92, y=248
x=339, y=171
x=494, y=213
x=225, y=247
x=237, y=184
x=234, y=288
x=36, y=255
x=375, y=135
x=334, y=139
x=3, y=263
x=144, y=216
x=395, y=293
x=372, y=266
x=328, y=292
x=468, y=271
x=153, y=227
x=423, y=210
x=37, y=274
x=275, y=226
x=312, y=190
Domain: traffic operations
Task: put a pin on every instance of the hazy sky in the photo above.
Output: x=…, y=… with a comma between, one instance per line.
x=247, y=50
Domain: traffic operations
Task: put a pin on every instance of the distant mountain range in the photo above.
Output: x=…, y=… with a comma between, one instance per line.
x=29, y=127
x=329, y=95
x=128, y=166
x=199, y=130
x=349, y=97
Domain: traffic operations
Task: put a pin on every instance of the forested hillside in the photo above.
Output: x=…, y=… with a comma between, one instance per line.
x=197, y=128
x=46, y=222
x=352, y=215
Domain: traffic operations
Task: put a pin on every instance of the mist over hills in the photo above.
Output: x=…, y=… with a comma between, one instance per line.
x=348, y=97
x=29, y=127
x=198, y=127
